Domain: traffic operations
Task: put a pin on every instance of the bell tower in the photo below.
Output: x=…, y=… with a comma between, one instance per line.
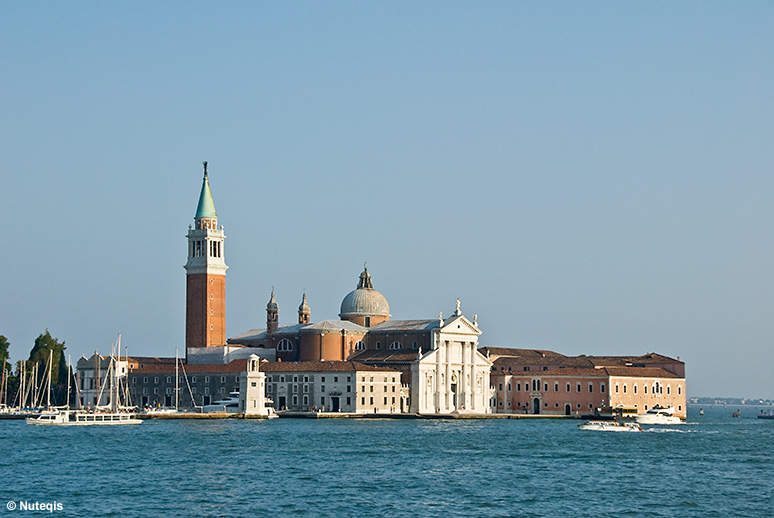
x=205, y=317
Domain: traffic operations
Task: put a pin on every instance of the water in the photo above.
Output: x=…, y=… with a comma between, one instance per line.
x=713, y=466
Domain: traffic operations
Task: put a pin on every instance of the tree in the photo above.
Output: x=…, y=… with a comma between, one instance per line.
x=45, y=346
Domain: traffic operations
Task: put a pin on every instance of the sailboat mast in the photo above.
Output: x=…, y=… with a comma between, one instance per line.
x=69, y=372
x=48, y=389
x=177, y=381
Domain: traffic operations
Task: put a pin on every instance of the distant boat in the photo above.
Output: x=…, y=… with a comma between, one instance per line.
x=659, y=415
x=610, y=426
x=229, y=405
x=766, y=415
x=737, y=413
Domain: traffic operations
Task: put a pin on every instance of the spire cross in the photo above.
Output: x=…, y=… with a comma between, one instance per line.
x=205, y=168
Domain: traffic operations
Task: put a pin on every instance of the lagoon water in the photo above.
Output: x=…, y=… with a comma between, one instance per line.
x=714, y=465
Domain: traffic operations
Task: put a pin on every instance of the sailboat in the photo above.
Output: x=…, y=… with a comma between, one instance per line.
x=114, y=414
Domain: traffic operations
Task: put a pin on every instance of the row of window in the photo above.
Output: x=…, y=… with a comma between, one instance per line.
x=656, y=388
x=307, y=379
x=568, y=387
x=182, y=379
x=170, y=390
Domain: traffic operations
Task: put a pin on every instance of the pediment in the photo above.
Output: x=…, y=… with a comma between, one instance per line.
x=459, y=325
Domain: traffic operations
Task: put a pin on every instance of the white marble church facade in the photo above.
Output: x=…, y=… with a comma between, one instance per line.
x=453, y=377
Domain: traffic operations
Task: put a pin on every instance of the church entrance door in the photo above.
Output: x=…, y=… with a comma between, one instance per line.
x=335, y=404
x=536, y=406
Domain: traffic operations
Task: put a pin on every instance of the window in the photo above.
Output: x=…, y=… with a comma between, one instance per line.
x=645, y=388
x=500, y=387
x=378, y=345
x=145, y=379
x=509, y=387
x=679, y=390
x=206, y=379
x=362, y=400
x=568, y=387
x=669, y=389
x=349, y=401
x=335, y=379
x=634, y=388
x=556, y=387
x=349, y=388
x=193, y=379
x=518, y=387
x=360, y=345
x=222, y=390
x=322, y=388
x=371, y=401
x=169, y=379
x=295, y=379
x=624, y=388
x=578, y=387
x=295, y=388
x=414, y=345
x=155, y=391
x=322, y=379
x=306, y=387
x=306, y=379
x=295, y=400
x=322, y=401
x=372, y=388
x=526, y=369
x=545, y=387
x=396, y=345
x=282, y=379
x=285, y=345
x=591, y=387
x=616, y=388
x=305, y=399
x=385, y=401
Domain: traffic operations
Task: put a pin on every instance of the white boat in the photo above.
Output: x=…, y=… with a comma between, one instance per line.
x=81, y=418
x=229, y=405
x=610, y=426
x=658, y=415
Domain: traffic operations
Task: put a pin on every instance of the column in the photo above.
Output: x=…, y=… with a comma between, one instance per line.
x=473, y=384
x=464, y=375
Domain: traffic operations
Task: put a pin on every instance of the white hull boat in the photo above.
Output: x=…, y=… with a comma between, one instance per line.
x=659, y=415
x=610, y=426
x=76, y=418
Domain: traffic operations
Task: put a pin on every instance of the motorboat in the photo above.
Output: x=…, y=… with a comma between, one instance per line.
x=229, y=405
x=766, y=415
x=659, y=415
x=610, y=426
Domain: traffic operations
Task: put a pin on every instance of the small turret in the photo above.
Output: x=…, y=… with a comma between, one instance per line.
x=272, y=315
x=303, y=311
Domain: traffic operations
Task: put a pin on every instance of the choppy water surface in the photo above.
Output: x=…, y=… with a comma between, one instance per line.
x=713, y=466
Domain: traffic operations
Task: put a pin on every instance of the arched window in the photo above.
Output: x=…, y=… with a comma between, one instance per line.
x=360, y=345
x=396, y=345
x=285, y=345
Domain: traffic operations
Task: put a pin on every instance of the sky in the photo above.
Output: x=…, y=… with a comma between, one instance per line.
x=590, y=178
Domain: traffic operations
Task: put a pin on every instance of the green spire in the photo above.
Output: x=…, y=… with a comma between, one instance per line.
x=206, y=208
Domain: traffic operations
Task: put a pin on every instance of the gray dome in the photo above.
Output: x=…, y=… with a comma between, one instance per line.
x=364, y=301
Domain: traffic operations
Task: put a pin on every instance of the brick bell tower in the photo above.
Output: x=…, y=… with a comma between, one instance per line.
x=205, y=314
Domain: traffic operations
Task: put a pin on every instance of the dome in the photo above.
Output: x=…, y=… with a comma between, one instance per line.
x=304, y=307
x=272, y=305
x=364, y=301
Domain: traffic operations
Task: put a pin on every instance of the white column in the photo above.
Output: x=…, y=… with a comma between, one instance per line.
x=437, y=372
x=464, y=375
x=473, y=384
x=447, y=359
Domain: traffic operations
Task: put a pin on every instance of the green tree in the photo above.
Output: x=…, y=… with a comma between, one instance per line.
x=45, y=345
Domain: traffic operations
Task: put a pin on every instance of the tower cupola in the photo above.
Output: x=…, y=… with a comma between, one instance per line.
x=303, y=311
x=272, y=314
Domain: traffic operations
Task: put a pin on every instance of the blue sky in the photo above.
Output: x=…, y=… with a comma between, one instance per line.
x=590, y=178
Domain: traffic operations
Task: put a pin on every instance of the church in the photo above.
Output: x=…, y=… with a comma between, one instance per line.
x=438, y=367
